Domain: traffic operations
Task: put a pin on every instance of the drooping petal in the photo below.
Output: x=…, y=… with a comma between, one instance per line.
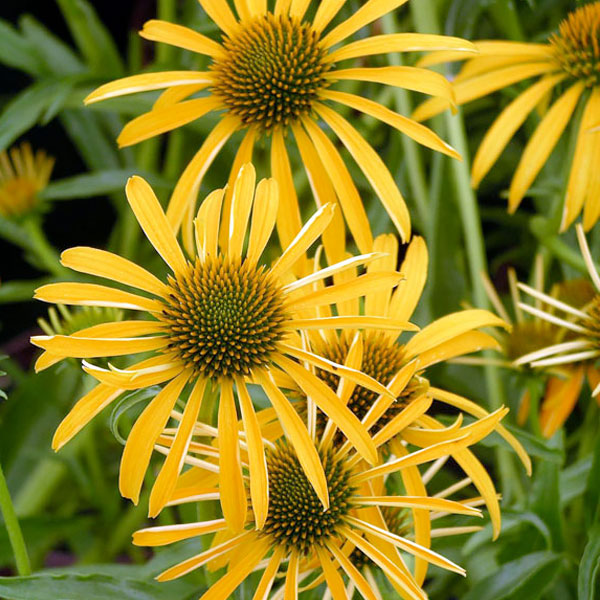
x=168, y=534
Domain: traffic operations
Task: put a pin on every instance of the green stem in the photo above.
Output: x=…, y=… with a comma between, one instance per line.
x=505, y=15
x=15, y=534
x=166, y=12
x=43, y=250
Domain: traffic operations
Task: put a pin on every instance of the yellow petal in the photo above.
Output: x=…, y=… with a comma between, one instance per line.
x=373, y=168
x=259, y=484
x=451, y=326
x=402, y=42
x=143, y=435
x=387, y=244
x=152, y=220
x=264, y=215
x=583, y=167
x=357, y=322
x=79, y=347
x=241, y=205
x=242, y=156
x=506, y=124
x=414, y=267
x=298, y=8
x=164, y=486
x=410, y=78
x=129, y=379
x=174, y=95
x=425, y=502
x=472, y=341
x=355, y=576
x=221, y=14
x=146, y=82
x=347, y=194
x=351, y=289
x=325, y=12
x=484, y=84
x=402, y=420
x=257, y=7
x=207, y=224
x=367, y=13
x=86, y=408
x=335, y=583
x=291, y=578
x=91, y=294
x=268, y=577
x=289, y=222
x=166, y=118
x=248, y=557
x=188, y=185
x=231, y=482
x=324, y=397
x=298, y=436
x=542, y=143
x=106, y=264
x=313, y=228
x=169, y=534
x=195, y=562
x=182, y=37
x=421, y=134
x=591, y=211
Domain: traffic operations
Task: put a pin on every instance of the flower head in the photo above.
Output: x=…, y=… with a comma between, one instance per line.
x=567, y=64
x=221, y=319
x=577, y=315
x=23, y=175
x=321, y=545
x=274, y=73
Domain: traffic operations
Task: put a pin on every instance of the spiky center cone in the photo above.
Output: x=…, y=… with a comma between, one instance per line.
x=272, y=71
x=577, y=44
x=296, y=518
x=382, y=359
x=17, y=197
x=529, y=336
x=224, y=318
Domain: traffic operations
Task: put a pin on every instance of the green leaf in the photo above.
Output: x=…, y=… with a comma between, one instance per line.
x=26, y=108
x=536, y=446
x=96, y=184
x=592, y=492
x=99, y=587
x=589, y=567
x=573, y=480
x=17, y=52
x=57, y=56
x=526, y=577
x=92, y=38
x=21, y=291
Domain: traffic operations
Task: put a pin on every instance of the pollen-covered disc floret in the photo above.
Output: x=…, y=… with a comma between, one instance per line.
x=296, y=518
x=577, y=44
x=225, y=318
x=382, y=359
x=271, y=72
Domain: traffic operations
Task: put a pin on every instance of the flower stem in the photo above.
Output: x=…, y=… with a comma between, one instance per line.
x=42, y=249
x=14, y=530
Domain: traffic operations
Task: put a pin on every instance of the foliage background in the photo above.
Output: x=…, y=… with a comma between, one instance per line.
x=76, y=527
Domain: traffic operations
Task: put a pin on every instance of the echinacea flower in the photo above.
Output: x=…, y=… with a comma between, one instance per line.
x=531, y=333
x=23, y=174
x=402, y=366
x=581, y=324
x=220, y=319
x=311, y=545
x=568, y=63
x=273, y=74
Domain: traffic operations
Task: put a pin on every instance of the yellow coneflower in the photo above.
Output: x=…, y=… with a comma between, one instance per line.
x=567, y=62
x=402, y=366
x=581, y=325
x=23, y=175
x=312, y=545
x=220, y=319
x=531, y=333
x=273, y=74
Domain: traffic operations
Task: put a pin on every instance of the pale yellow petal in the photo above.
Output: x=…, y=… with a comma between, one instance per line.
x=471, y=341
x=241, y=205
x=143, y=435
x=264, y=215
x=169, y=534
x=206, y=224
x=152, y=220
